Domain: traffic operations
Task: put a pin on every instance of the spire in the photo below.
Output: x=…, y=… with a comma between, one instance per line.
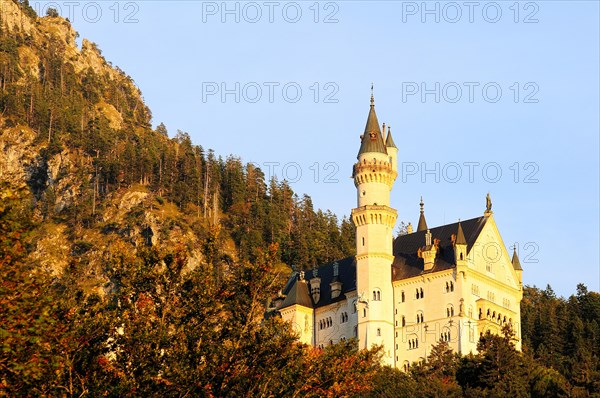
x=389, y=141
x=422, y=226
x=515, y=260
x=372, y=141
x=460, y=236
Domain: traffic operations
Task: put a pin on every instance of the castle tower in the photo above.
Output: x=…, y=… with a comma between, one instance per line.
x=374, y=175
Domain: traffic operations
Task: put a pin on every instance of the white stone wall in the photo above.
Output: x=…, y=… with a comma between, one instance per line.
x=339, y=321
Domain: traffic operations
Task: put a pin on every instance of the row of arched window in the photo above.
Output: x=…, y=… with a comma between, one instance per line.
x=449, y=311
x=420, y=317
x=325, y=323
x=449, y=287
x=498, y=318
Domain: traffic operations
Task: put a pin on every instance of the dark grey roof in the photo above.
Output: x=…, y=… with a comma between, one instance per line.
x=515, y=261
x=346, y=275
x=372, y=141
x=298, y=294
x=389, y=141
x=407, y=263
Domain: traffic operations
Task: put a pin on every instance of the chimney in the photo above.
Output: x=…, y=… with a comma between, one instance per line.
x=429, y=252
x=315, y=286
x=336, y=285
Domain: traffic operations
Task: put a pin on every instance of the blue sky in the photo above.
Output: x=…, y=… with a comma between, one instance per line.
x=481, y=96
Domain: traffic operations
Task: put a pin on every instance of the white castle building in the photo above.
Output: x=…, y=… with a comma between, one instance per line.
x=452, y=282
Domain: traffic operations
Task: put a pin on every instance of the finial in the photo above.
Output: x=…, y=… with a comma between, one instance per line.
x=372, y=98
x=422, y=204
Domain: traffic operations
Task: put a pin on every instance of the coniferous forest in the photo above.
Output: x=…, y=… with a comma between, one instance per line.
x=135, y=263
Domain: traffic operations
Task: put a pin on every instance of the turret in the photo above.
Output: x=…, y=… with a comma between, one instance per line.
x=460, y=247
x=392, y=150
x=374, y=175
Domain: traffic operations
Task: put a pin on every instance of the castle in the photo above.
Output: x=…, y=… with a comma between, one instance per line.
x=452, y=282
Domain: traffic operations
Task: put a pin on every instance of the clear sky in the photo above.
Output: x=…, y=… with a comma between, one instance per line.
x=499, y=97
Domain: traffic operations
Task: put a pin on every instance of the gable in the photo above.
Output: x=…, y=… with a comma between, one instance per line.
x=488, y=256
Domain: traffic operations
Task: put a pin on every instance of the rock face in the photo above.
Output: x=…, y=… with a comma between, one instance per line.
x=78, y=221
x=18, y=155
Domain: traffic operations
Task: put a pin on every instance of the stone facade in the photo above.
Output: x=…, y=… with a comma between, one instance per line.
x=453, y=282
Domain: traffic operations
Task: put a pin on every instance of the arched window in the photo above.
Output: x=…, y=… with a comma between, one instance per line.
x=447, y=287
x=355, y=331
x=419, y=317
x=377, y=295
x=403, y=296
x=378, y=332
x=421, y=291
x=417, y=295
x=452, y=283
x=354, y=307
x=403, y=321
x=364, y=312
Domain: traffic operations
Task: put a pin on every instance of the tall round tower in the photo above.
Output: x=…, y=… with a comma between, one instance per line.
x=374, y=175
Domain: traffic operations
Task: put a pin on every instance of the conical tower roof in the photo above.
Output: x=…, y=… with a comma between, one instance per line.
x=460, y=236
x=372, y=141
x=389, y=141
x=298, y=295
x=515, y=261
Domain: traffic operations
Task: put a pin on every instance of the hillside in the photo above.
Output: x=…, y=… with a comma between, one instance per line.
x=134, y=262
x=77, y=133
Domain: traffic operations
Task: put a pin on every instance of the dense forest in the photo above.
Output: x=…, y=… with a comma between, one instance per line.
x=135, y=263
